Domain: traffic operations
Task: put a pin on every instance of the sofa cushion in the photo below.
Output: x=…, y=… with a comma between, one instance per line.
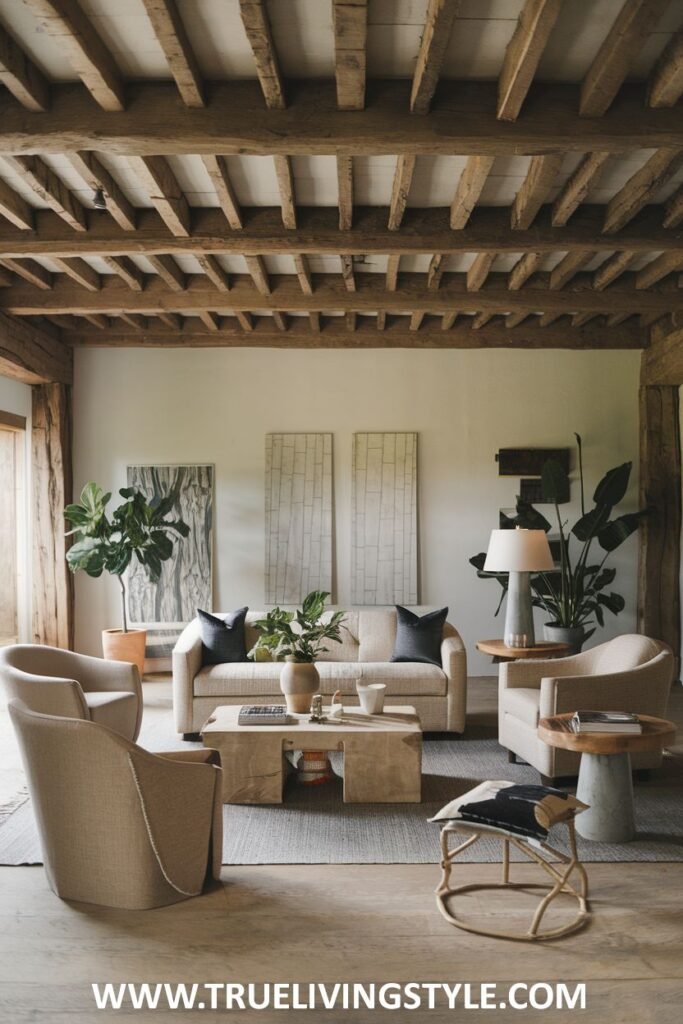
x=222, y=636
x=523, y=703
x=418, y=637
x=263, y=679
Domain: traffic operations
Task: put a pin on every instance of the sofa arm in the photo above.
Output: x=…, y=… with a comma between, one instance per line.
x=454, y=663
x=186, y=663
x=643, y=690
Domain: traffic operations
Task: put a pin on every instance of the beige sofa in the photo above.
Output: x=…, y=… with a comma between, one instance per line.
x=629, y=673
x=438, y=693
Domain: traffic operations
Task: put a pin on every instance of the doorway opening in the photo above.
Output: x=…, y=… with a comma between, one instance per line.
x=13, y=533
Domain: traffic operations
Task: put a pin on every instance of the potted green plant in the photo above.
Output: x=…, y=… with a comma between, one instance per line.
x=298, y=638
x=575, y=596
x=137, y=529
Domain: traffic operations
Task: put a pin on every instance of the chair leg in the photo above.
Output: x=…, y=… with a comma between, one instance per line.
x=512, y=757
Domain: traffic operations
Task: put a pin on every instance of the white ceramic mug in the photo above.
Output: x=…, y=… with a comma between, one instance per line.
x=371, y=696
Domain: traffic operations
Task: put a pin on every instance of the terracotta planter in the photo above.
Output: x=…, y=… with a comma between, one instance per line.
x=299, y=680
x=130, y=646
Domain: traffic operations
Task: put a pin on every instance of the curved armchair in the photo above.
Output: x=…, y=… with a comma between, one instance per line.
x=58, y=682
x=119, y=826
x=629, y=673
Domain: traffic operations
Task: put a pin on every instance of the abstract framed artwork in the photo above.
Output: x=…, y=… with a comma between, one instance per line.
x=187, y=577
x=384, y=519
x=298, y=516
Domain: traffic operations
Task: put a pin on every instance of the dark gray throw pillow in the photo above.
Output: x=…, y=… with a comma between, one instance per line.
x=418, y=637
x=223, y=636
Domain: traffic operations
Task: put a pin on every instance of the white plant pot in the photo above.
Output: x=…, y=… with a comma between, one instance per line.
x=299, y=680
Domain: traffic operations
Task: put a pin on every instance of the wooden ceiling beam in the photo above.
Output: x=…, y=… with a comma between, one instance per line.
x=515, y=319
x=652, y=272
x=416, y=321
x=128, y=271
x=30, y=271
x=20, y=75
x=403, y=176
x=314, y=320
x=480, y=320
x=32, y=355
x=172, y=320
x=479, y=270
x=540, y=178
x=95, y=175
x=161, y=185
x=348, y=275
x=303, y=273
x=523, y=53
x=396, y=334
x=435, y=39
x=424, y=231
x=350, y=21
x=666, y=81
x=391, y=278
x=673, y=214
x=35, y=173
x=568, y=267
x=345, y=187
x=525, y=266
x=614, y=59
x=215, y=273
x=236, y=122
x=15, y=208
x=76, y=37
x=435, y=271
x=612, y=268
x=351, y=320
x=217, y=170
x=576, y=190
x=381, y=320
x=245, y=320
x=469, y=188
x=257, y=27
x=101, y=322
x=285, y=182
x=169, y=271
x=448, y=320
x=138, y=323
x=170, y=32
x=331, y=293
x=280, y=320
x=641, y=188
x=256, y=267
x=80, y=272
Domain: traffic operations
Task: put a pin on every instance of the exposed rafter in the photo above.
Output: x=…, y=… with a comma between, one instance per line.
x=666, y=81
x=162, y=186
x=403, y=176
x=95, y=174
x=525, y=266
x=658, y=268
x=21, y=76
x=33, y=355
x=80, y=272
x=257, y=27
x=51, y=189
x=523, y=53
x=435, y=38
x=15, y=208
x=128, y=271
x=285, y=181
x=612, y=268
x=29, y=270
x=75, y=35
x=350, y=19
x=304, y=274
x=257, y=269
x=170, y=31
x=215, y=273
x=469, y=188
x=479, y=270
x=568, y=267
x=576, y=190
x=169, y=271
x=345, y=186
x=534, y=191
x=217, y=170
x=641, y=188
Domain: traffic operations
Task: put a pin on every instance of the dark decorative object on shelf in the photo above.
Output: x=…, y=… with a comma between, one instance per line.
x=530, y=461
x=531, y=492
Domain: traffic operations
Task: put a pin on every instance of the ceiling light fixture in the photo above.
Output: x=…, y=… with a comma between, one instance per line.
x=99, y=201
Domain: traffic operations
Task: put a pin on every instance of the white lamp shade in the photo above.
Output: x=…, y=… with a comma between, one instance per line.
x=518, y=551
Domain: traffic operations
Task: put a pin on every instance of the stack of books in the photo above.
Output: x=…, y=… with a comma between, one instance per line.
x=263, y=714
x=605, y=721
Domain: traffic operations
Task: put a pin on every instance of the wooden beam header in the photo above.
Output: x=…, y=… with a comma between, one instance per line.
x=33, y=356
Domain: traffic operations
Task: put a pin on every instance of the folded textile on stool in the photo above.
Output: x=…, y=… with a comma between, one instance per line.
x=528, y=811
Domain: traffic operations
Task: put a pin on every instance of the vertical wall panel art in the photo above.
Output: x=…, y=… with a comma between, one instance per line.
x=384, y=519
x=186, y=578
x=298, y=516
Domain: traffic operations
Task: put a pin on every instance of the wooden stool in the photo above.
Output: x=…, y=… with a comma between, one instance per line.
x=559, y=873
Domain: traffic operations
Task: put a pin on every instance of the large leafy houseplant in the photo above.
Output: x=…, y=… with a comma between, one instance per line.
x=279, y=640
x=136, y=529
x=576, y=595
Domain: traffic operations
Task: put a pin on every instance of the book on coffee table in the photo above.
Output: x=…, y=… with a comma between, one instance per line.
x=606, y=721
x=263, y=714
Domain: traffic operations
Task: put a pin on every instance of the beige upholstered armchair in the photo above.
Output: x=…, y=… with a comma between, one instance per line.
x=119, y=826
x=59, y=682
x=629, y=673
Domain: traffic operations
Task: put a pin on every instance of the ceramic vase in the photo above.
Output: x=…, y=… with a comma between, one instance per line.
x=130, y=646
x=572, y=635
x=299, y=680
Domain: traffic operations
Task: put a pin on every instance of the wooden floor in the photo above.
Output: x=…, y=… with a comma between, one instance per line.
x=344, y=923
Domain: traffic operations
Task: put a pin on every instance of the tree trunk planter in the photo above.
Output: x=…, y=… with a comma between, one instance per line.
x=130, y=646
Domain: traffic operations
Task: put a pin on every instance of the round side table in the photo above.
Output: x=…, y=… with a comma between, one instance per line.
x=605, y=782
x=500, y=652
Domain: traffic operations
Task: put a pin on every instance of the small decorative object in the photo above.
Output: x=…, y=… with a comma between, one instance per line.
x=518, y=552
x=336, y=707
x=371, y=696
x=313, y=767
x=573, y=595
x=317, y=709
x=298, y=639
x=262, y=714
x=137, y=530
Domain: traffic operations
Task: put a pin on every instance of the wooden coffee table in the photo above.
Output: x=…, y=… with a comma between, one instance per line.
x=382, y=754
x=605, y=782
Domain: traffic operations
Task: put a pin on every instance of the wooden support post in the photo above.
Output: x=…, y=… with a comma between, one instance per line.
x=659, y=604
x=53, y=598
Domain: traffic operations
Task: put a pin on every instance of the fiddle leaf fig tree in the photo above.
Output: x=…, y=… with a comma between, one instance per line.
x=137, y=529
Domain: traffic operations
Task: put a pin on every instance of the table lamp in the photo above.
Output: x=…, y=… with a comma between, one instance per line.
x=518, y=552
